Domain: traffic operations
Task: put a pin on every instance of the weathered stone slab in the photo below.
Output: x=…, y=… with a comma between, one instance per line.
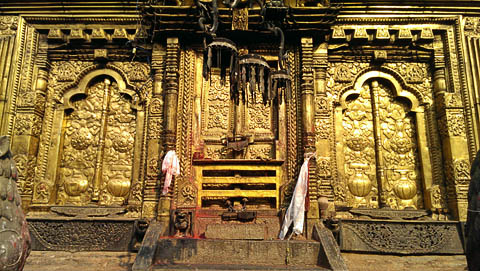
x=88, y=211
x=75, y=234
x=144, y=259
x=238, y=252
x=401, y=237
x=329, y=252
x=390, y=214
x=235, y=231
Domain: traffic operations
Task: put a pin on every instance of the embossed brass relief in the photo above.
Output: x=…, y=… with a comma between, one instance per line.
x=380, y=150
x=222, y=118
x=98, y=141
x=244, y=171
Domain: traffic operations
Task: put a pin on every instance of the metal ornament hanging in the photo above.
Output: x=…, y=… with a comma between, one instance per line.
x=281, y=85
x=281, y=79
x=221, y=53
x=253, y=78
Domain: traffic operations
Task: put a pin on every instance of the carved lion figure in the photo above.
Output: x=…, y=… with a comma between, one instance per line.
x=14, y=236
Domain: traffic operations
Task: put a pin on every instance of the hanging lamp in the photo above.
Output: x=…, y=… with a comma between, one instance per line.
x=281, y=79
x=221, y=53
x=253, y=79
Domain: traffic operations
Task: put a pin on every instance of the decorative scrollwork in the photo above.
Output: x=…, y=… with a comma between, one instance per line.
x=155, y=127
x=343, y=73
x=390, y=237
x=23, y=124
x=80, y=235
x=456, y=124
x=156, y=106
x=324, y=168
x=415, y=74
x=8, y=25
x=189, y=194
x=218, y=104
x=259, y=152
x=323, y=128
x=135, y=71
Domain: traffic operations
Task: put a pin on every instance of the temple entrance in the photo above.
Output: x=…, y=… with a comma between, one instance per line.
x=97, y=146
x=242, y=140
x=254, y=125
x=380, y=150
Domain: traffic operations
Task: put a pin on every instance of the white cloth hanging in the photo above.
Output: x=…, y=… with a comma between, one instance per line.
x=296, y=210
x=171, y=167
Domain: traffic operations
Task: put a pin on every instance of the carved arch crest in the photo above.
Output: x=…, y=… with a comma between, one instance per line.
x=86, y=76
x=400, y=87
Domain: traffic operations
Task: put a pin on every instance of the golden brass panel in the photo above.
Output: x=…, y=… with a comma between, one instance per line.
x=190, y=114
x=381, y=159
x=237, y=166
x=243, y=180
x=97, y=152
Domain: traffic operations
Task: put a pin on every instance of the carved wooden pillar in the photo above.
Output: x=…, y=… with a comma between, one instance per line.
x=451, y=122
x=308, y=127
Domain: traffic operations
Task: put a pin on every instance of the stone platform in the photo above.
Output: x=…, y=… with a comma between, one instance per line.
x=123, y=261
x=160, y=253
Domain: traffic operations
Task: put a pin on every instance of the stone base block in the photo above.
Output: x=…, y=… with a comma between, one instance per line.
x=87, y=234
x=401, y=237
x=238, y=231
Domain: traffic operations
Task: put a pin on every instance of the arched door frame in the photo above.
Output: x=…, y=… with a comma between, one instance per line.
x=417, y=106
x=79, y=88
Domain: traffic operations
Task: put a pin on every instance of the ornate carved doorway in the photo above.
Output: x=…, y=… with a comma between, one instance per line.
x=243, y=146
x=379, y=148
x=97, y=146
x=222, y=119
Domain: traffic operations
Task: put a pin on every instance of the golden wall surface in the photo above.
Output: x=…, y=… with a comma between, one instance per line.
x=388, y=104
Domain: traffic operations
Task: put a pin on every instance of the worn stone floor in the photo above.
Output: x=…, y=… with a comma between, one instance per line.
x=122, y=261
x=375, y=262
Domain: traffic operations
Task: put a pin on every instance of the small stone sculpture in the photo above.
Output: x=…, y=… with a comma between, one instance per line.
x=182, y=223
x=472, y=228
x=14, y=236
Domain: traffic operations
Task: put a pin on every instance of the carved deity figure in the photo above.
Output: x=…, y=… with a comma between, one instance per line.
x=14, y=236
x=472, y=228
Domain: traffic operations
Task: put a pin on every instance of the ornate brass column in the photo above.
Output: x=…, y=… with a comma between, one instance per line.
x=323, y=123
x=170, y=115
x=171, y=93
x=30, y=113
x=7, y=56
x=451, y=122
x=155, y=137
x=308, y=127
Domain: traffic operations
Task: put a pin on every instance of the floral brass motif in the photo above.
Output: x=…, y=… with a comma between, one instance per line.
x=103, y=109
x=380, y=125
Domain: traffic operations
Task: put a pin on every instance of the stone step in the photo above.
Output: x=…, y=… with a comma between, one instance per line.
x=226, y=267
x=161, y=253
x=238, y=253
